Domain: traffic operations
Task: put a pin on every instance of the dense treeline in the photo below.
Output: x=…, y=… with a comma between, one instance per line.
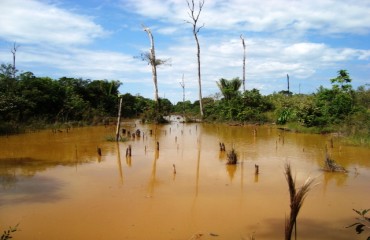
x=28, y=100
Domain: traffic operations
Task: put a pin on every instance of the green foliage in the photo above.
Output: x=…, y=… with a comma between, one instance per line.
x=363, y=222
x=8, y=233
x=284, y=116
x=155, y=112
x=248, y=107
x=342, y=79
x=229, y=88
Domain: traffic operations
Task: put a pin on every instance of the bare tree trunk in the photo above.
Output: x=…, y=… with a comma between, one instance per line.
x=153, y=63
x=242, y=38
x=199, y=77
x=119, y=119
x=195, y=16
x=14, y=51
x=183, y=96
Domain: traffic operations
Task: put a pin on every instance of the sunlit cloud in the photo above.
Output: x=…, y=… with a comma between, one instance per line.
x=38, y=23
x=299, y=38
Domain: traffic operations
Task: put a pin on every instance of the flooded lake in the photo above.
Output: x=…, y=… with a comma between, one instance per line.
x=56, y=186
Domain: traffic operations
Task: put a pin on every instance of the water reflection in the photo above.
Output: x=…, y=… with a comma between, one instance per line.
x=113, y=191
x=120, y=171
x=153, y=179
x=231, y=168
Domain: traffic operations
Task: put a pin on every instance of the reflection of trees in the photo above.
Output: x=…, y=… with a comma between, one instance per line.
x=8, y=179
x=231, y=169
x=153, y=180
x=11, y=169
x=339, y=178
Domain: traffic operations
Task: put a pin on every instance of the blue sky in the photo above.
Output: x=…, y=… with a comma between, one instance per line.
x=97, y=39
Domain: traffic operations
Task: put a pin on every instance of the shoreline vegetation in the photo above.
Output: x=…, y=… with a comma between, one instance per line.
x=30, y=103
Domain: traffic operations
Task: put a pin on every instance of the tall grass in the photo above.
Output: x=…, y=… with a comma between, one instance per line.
x=297, y=197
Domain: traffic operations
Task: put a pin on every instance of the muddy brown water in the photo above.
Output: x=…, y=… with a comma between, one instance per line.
x=56, y=186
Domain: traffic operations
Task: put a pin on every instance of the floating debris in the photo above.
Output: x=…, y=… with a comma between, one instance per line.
x=332, y=166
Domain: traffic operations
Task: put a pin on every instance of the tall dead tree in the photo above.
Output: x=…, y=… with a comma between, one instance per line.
x=152, y=62
x=183, y=96
x=14, y=51
x=242, y=38
x=194, y=15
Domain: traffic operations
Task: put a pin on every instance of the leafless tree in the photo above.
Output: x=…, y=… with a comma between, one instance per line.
x=152, y=62
x=14, y=51
x=151, y=59
x=242, y=38
x=194, y=15
x=183, y=95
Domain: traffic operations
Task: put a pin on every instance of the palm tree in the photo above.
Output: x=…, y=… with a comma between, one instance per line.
x=229, y=88
x=343, y=79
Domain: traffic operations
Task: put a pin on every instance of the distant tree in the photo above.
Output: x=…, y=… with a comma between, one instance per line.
x=229, y=88
x=14, y=51
x=194, y=21
x=7, y=81
x=343, y=79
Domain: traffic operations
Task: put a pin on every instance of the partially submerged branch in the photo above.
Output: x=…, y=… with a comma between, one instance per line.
x=331, y=166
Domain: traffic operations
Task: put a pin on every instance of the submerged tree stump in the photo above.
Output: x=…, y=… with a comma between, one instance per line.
x=232, y=158
x=331, y=166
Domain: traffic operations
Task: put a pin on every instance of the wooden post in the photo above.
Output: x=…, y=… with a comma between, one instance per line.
x=119, y=119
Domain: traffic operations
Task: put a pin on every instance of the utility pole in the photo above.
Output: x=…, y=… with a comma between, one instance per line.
x=287, y=77
x=242, y=38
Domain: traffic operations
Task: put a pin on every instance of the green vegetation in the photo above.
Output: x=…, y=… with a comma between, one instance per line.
x=28, y=101
x=363, y=222
x=7, y=234
x=36, y=102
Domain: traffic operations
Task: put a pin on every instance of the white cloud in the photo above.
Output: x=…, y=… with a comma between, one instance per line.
x=34, y=22
x=55, y=41
x=324, y=16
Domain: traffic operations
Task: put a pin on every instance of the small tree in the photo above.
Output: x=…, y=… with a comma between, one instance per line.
x=229, y=88
x=343, y=79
